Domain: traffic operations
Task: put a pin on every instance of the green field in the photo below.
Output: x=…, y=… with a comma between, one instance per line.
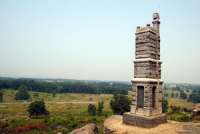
x=63, y=108
x=67, y=110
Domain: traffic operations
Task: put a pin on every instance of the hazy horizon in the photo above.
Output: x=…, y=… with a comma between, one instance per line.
x=94, y=40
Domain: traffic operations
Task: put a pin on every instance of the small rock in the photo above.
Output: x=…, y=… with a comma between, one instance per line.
x=87, y=129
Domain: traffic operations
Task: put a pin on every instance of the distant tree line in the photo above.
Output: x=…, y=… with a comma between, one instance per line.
x=67, y=86
x=195, y=96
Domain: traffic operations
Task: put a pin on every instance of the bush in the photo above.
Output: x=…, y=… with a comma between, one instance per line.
x=92, y=109
x=71, y=124
x=22, y=93
x=1, y=96
x=55, y=120
x=100, y=107
x=164, y=105
x=179, y=116
x=120, y=104
x=37, y=108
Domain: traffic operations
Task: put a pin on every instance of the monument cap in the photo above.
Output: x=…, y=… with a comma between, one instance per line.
x=156, y=16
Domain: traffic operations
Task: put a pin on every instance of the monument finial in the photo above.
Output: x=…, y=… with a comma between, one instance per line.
x=156, y=22
x=156, y=17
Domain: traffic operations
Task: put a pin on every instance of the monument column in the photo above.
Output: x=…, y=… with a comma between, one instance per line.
x=146, y=107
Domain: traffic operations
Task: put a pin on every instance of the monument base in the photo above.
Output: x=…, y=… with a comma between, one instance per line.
x=144, y=121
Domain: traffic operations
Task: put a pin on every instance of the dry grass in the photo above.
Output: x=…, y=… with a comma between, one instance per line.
x=181, y=103
x=61, y=103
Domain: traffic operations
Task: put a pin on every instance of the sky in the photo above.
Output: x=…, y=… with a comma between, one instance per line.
x=95, y=39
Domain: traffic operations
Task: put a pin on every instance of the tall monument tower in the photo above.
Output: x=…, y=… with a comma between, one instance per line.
x=146, y=107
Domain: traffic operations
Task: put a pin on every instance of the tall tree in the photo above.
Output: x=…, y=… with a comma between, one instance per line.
x=1, y=96
x=22, y=93
x=120, y=104
x=37, y=108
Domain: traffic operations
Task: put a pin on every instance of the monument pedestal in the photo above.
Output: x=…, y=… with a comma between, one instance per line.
x=144, y=121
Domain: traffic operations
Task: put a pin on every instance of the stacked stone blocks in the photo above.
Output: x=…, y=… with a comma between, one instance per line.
x=147, y=83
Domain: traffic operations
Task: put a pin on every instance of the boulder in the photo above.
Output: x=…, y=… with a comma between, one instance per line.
x=87, y=129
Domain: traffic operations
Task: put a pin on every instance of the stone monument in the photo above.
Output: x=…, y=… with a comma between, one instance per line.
x=146, y=107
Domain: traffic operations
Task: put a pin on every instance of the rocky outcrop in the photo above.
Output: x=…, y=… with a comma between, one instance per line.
x=115, y=125
x=87, y=129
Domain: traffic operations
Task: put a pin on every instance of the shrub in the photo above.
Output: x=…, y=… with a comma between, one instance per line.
x=37, y=108
x=174, y=109
x=180, y=116
x=71, y=124
x=177, y=114
x=55, y=120
x=1, y=96
x=92, y=109
x=100, y=107
x=120, y=104
x=22, y=93
x=17, y=122
x=164, y=105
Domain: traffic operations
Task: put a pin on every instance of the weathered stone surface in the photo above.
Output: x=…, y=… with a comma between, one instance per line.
x=87, y=129
x=146, y=107
x=143, y=121
x=115, y=125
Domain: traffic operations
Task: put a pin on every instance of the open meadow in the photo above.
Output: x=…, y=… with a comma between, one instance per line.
x=67, y=110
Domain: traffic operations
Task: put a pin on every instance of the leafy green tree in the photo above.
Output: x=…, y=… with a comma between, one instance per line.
x=92, y=109
x=1, y=96
x=37, y=108
x=100, y=107
x=22, y=93
x=164, y=105
x=183, y=95
x=71, y=86
x=120, y=104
